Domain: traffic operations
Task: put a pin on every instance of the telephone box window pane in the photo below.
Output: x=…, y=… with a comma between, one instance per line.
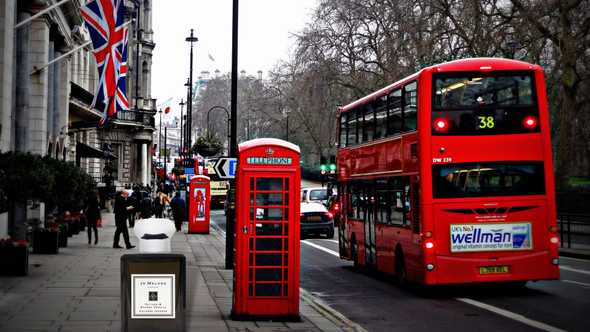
x=269, y=229
x=268, y=244
x=269, y=213
x=286, y=184
x=251, y=290
x=269, y=184
x=286, y=241
x=285, y=289
x=269, y=199
x=286, y=274
x=251, y=184
x=268, y=289
x=263, y=259
x=268, y=275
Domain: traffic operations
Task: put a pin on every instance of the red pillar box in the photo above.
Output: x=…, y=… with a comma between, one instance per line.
x=199, y=209
x=266, y=272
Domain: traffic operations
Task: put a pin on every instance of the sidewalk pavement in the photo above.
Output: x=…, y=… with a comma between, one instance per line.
x=79, y=290
x=576, y=251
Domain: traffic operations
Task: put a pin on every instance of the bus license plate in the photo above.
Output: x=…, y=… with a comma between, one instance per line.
x=493, y=269
x=314, y=218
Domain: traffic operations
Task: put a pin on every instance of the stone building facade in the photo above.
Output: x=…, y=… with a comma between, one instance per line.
x=47, y=83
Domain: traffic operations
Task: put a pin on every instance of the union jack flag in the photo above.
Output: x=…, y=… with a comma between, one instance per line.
x=105, y=22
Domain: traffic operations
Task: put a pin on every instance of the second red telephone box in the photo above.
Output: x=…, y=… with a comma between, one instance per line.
x=199, y=207
x=266, y=272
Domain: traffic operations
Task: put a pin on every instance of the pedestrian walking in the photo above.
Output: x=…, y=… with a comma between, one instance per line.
x=92, y=216
x=178, y=208
x=158, y=205
x=122, y=208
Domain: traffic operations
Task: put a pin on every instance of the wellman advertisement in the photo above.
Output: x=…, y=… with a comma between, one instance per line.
x=491, y=237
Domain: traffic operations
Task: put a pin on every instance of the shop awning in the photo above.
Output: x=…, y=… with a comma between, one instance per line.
x=87, y=151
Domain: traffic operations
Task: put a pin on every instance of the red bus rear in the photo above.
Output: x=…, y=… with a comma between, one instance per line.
x=447, y=177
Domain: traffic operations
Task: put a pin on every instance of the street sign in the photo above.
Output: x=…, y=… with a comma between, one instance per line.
x=226, y=168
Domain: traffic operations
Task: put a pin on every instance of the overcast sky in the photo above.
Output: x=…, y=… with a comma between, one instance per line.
x=265, y=27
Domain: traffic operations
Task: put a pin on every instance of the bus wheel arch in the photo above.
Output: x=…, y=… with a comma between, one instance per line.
x=401, y=274
x=354, y=253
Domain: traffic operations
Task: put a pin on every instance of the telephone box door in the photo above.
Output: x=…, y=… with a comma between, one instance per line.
x=200, y=205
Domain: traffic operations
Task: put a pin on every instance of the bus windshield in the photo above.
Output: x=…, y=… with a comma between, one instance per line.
x=484, y=105
x=488, y=179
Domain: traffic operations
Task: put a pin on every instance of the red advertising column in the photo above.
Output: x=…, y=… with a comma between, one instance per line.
x=199, y=210
x=266, y=273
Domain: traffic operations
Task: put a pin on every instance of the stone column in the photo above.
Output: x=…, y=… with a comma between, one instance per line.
x=52, y=83
x=7, y=22
x=144, y=164
x=62, y=93
x=36, y=138
x=22, y=83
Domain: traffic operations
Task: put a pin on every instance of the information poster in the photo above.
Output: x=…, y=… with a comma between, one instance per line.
x=153, y=296
x=200, y=197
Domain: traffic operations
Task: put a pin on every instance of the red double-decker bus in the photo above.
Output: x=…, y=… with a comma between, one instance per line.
x=447, y=176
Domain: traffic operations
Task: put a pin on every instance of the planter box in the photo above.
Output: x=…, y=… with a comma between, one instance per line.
x=62, y=241
x=82, y=223
x=45, y=242
x=76, y=227
x=73, y=228
x=14, y=261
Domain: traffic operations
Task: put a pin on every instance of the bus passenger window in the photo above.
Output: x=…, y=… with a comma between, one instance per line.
x=352, y=128
x=343, y=128
x=369, y=124
x=415, y=205
x=381, y=117
x=394, y=118
x=397, y=208
x=410, y=106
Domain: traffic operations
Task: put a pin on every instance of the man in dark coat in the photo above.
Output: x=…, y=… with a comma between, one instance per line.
x=178, y=208
x=122, y=208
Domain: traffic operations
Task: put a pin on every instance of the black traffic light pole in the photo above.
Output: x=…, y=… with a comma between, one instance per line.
x=233, y=146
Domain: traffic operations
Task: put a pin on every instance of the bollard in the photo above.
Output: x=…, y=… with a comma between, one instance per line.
x=153, y=282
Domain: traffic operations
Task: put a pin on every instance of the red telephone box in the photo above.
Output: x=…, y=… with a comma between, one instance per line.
x=199, y=209
x=266, y=271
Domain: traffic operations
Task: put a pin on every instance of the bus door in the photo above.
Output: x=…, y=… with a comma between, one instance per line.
x=369, y=223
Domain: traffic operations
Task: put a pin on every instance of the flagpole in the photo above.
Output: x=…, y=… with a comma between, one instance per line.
x=25, y=21
x=59, y=58
x=36, y=70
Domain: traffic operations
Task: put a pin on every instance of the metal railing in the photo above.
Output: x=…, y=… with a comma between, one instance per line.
x=144, y=118
x=574, y=228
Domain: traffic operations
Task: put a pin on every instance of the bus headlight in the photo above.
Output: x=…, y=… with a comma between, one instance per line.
x=430, y=267
x=555, y=261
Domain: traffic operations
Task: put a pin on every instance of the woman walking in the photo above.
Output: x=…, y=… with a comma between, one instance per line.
x=92, y=217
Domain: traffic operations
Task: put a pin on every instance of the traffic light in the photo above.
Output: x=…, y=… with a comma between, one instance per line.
x=323, y=165
x=332, y=165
